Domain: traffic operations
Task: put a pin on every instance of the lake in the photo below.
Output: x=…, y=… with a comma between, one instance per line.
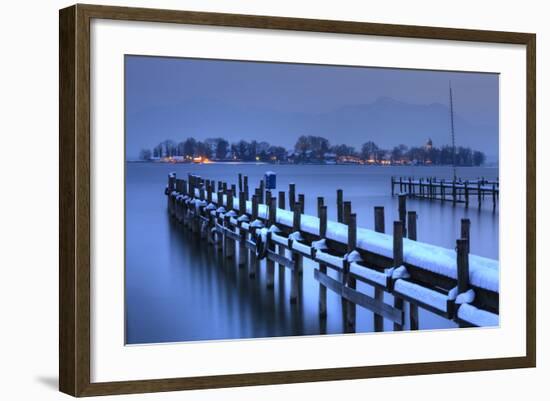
x=178, y=289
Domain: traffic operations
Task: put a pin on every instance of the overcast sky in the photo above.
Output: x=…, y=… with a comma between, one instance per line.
x=173, y=98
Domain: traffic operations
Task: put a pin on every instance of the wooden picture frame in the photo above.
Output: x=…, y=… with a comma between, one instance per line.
x=74, y=203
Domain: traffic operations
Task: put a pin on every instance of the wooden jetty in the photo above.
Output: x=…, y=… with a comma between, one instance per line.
x=451, y=283
x=455, y=191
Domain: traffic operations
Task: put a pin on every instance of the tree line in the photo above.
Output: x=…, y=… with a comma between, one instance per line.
x=313, y=149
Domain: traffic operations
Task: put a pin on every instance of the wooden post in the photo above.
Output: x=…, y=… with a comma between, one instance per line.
x=322, y=213
x=397, y=261
x=454, y=192
x=463, y=268
x=184, y=187
x=340, y=205
x=291, y=196
x=403, y=211
x=465, y=231
x=228, y=243
x=209, y=191
x=392, y=184
x=494, y=198
x=400, y=184
x=252, y=259
x=302, y=200
x=413, y=316
x=245, y=186
x=351, y=281
x=242, y=232
x=171, y=187
x=347, y=212
x=411, y=225
x=267, y=197
x=296, y=257
x=466, y=193
x=240, y=182
x=442, y=189
x=254, y=207
x=479, y=194
x=262, y=192
x=379, y=227
x=379, y=224
x=270, y=265
x=281, y=248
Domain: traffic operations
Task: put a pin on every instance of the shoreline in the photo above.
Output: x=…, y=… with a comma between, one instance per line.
x=310, y=164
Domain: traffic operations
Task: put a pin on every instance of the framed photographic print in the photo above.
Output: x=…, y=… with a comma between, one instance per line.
x=251, y=200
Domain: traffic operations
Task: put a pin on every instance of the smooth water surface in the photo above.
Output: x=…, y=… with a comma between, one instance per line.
x=179, y=289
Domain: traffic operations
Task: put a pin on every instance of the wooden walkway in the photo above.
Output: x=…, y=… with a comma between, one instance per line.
x=453, y=284
x=455, y=191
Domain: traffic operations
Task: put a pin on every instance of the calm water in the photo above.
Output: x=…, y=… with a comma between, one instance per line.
x=177, y=289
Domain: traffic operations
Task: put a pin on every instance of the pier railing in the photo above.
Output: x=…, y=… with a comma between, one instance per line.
x=455, y=191
x=451, y=283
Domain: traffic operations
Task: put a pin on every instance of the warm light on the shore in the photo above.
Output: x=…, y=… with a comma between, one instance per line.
x=200, y=159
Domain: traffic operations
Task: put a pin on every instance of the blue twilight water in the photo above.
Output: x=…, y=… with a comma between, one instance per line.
x=178, y=289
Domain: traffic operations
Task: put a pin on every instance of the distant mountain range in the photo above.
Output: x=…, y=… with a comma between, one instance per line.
x=386, y=121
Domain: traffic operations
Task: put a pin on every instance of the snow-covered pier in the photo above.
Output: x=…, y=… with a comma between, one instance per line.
x=455, y=191
x=451, y=283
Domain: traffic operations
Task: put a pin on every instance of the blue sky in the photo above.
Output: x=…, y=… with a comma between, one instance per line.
x=174, y=98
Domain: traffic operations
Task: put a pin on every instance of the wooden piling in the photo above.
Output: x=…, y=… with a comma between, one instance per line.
x=466, y=194
x=245, y=187
x=242, y=232
x=270, y=264
x=302, y=200
x=322, y=213
x=392, y=184
x=454, y=192
x=463, y=267
x=340, y=205
x=281, y=249
x=379, y=226
x=252, y=259
x=347, y=212
x=413, y=316
x=411, y=225
x=397, y=262
x=479, y=196
x=296, y=257
x=291, y=196
x=350, y=281
x=403, y=211
x=171, y=187
x=262, y=192
x=229, y=243
x=465, y=231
